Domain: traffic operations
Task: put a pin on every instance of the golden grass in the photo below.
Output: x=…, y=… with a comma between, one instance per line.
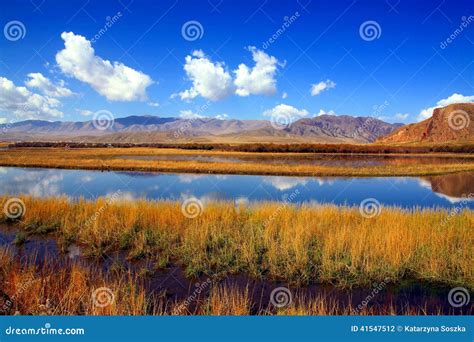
x=48, y=289
x=110, y=159
x=52, y=290
x=299, y=244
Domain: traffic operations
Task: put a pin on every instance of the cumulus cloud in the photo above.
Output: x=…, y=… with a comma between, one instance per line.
x=222, y=116
x=46, y=86
x=285, y=183
x=317, y=88
x=286, y=111
x=25, y=104
x=114, y=80
x=84, y=112
x=401, y=116
x=210, y=80
x=324, y=112
x=153, y=104
x=284, y=95
x=455, y=98
x=259, y=80
x=189, y=114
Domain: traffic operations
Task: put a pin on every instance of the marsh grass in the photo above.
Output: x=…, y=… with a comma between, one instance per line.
x=306, y=243
x=112, y=159
x=52, y=289
x=47, y=288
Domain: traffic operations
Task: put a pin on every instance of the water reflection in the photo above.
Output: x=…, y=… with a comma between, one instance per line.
x=406, y=192
x=457, y=185
x=308, y=159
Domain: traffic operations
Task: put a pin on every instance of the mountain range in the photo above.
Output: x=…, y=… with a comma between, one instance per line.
x=324, y=128
x=453, y=123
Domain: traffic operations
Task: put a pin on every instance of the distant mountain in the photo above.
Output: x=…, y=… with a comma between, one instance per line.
x=324, y=128
x=129, y=123
x=453, y=123
x=361, y=129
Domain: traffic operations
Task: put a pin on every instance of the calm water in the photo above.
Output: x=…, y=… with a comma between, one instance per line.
x=442, y=191
x=312, y=159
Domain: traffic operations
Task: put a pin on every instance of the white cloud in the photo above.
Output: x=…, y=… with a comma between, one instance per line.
x=317, y=88
x=46, y=86
x=3, y=120
x=222, y=116
x=84, y=112
x=455, y=98
x=401, y=116
x=284, y=95
x=153, y=104
x=189, y=178
x=87, y=179
x=259, y=80
x=114, y=80
x=25, y=104
x=210, y=80
x=323, y=112
x=284, y=183
x=286, y=111
x=189, y=114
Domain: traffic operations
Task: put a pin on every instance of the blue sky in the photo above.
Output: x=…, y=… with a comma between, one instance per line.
x=137, y=65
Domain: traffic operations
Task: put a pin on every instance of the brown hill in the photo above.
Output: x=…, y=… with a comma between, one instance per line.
x=453, y=123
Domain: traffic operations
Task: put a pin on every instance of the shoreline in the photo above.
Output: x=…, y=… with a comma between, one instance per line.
x=112, y=160
x=341, y=174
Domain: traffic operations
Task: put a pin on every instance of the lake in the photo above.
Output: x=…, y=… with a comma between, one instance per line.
x=334, y=160
x=438, y=191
